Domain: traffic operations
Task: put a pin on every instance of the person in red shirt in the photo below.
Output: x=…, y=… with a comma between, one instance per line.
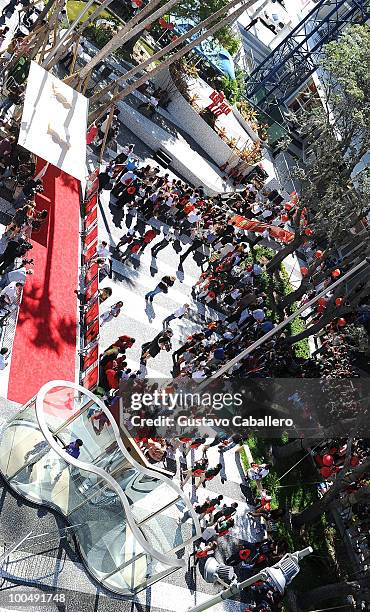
x=112, y=378
x=249, y=552
x=188, y=208
x=204, y=551
x=148, y=238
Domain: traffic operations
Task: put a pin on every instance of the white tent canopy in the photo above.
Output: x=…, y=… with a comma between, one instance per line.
x=54, y=122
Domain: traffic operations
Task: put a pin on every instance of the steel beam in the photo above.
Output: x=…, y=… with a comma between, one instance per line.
x=290, y=65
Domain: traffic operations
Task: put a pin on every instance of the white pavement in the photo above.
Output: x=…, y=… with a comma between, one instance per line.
x=138, y=318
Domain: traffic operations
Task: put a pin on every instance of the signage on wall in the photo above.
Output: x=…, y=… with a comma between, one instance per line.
x=219, y=105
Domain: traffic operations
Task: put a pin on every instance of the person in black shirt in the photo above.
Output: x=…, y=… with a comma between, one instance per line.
x=162, y=341
x=31, y=187
x=225, y=512
x=211, y=473
x=13, y=250
x=162, y=287
x=197, y=244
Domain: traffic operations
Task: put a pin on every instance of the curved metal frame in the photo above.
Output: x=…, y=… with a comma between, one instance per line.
x=103, y=474
x=171, y=563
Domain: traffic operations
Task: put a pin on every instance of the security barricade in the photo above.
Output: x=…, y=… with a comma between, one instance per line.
x=90, y=280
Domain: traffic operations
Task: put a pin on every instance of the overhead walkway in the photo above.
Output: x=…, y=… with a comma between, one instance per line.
x=292, y=62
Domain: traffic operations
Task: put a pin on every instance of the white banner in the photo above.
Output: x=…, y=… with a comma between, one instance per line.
x=54, y=122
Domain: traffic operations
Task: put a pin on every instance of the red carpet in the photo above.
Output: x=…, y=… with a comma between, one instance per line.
x=45, y=340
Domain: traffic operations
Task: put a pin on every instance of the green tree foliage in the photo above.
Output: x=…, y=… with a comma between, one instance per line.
x=338, y=136
x=196, y=11
x=234, y=89
x=335, y=183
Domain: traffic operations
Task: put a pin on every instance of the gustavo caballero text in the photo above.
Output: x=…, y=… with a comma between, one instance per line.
x=186, y=421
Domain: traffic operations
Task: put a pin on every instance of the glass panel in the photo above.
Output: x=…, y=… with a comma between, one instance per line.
x=130, y=575
x=105, y=539
x=94, y=429
x=21, y=442
x=92, y=506
x=45, y=479
x=148, y=494
x=165, y=532
x=60, y=404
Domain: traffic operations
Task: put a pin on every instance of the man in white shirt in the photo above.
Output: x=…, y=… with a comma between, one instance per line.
x=18, y=275
x=257, y=472
x=102, y=250
x=194, y=216
x=177, y=314
x=10, y=294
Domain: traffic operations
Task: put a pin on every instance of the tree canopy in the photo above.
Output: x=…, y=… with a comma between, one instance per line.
x=196, y=11
x=334, y=180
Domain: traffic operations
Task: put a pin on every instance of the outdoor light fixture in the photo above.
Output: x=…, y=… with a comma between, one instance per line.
x=216, y=572
x=279, y=576
x=283, y=572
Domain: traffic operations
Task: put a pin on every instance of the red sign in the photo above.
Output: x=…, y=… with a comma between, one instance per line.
x=219, y=105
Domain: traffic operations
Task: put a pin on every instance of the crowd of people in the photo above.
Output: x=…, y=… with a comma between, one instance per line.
x=232, y=287
x=232, y=284
x=232, y=281
x=17, y=171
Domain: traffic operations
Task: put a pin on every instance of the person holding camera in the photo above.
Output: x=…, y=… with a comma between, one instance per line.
x=13, y=250
x=162, y=342
x=30, y=188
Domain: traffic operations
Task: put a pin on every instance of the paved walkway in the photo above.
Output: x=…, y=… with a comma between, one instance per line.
x=130, y=283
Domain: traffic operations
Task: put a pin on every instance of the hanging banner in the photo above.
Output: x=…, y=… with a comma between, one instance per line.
x=258, y=227
x=54, y=122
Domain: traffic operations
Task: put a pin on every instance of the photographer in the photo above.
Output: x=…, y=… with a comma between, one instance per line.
x=17, y=275
x=162, y=342
x=31, y=187
x=13, y=250
x=10, y=296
